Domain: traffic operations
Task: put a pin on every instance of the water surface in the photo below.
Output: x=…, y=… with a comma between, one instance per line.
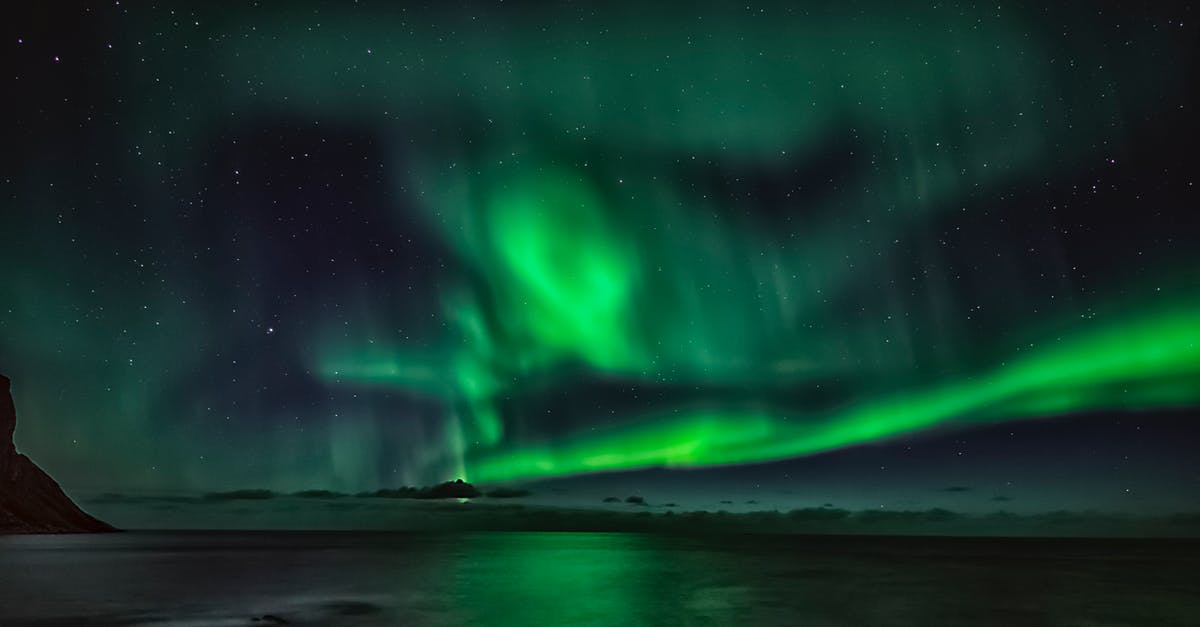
x=346, y=578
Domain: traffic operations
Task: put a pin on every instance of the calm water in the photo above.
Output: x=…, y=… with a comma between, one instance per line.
x=229, y=578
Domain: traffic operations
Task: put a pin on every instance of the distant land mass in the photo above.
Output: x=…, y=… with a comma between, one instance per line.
x=30, y=501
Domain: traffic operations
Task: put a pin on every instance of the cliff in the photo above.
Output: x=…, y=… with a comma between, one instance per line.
x=30, y=501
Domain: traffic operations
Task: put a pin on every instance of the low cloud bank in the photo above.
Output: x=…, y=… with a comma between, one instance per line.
x=441, y=508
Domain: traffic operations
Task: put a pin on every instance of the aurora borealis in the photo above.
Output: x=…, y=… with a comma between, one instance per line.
x=352, y=247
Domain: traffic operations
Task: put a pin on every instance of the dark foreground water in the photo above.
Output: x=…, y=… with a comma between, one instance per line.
x=230, y=578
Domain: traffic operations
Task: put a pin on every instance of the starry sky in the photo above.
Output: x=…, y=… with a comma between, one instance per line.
x=943, y=255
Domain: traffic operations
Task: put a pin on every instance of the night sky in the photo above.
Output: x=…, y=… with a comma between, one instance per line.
x=943, y=256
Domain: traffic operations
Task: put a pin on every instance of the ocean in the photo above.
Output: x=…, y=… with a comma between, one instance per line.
x=572, y=578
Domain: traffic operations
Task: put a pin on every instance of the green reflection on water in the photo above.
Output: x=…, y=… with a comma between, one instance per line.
x=561, y=579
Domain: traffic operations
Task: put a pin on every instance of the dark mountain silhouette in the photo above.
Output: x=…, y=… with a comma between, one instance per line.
x=30, y=501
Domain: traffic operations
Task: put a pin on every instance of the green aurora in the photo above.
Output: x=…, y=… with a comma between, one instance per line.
x=787, y=231
x=618, y=271
x=647, y=281
x=1144, y=363
x=563, y=286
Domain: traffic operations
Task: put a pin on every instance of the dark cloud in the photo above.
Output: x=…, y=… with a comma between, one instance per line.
x=240, y=495
x=259, y=509
x=823, y=514
x=458, y=489
x=391, y=493
x=117, y=498
x=319, y=494
x=882, y=516
x=1000, y=498
x=507, y=493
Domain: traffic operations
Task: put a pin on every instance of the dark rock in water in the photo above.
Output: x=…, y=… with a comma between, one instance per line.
x=270, y=618
x=30, y=501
